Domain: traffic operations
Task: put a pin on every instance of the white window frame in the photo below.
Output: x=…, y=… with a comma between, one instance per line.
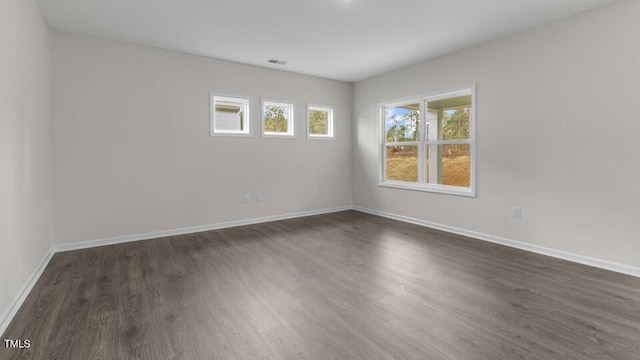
x=290, y=134
x=421, y=185
x=330, y=124
x=246, y=132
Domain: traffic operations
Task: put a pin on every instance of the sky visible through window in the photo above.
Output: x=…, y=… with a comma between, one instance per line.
x=397, y=116
x=401, y=120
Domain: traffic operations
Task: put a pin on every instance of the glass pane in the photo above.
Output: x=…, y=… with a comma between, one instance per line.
x=402, y=163
x=318, y=122
x=456, y=164
x=455, y=123
x=229, y=115
x=449, y=118
x=276, y=118
x=402, y=123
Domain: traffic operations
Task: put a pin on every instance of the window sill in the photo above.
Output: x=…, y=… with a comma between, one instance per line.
x=230, y=134
x=440, y=189
x=278, y=136
x=321, y=137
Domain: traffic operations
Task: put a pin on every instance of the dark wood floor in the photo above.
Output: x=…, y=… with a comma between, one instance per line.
x=340, y=286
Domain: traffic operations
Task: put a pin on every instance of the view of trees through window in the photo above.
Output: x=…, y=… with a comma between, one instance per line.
x=445, y=150
x=455, y=158
x=402, y=125
x=318, y=122
x=276, y=119
x=455, y=124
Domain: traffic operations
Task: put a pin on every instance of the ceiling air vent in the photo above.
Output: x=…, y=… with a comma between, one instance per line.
x=279, y=62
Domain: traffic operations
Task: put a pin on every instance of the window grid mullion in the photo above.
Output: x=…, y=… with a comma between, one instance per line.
x=405, y=143
x=449, y=142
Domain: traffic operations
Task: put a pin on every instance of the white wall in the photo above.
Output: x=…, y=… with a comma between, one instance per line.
x=558, y=127
x=133, y=152
x=25, y=147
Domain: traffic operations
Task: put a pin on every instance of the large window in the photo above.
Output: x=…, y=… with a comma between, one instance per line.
x=277, y=119
x=229, y=116
x=428, y=143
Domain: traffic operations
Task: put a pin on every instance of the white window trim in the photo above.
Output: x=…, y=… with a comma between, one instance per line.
x=330, y=124
x=421, y=185
x=290, y=134
x=212, y=114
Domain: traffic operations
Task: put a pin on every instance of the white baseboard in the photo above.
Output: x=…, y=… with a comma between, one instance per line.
x=22, y=294
x=598, y=263
x=602, y=264
x=192, y=229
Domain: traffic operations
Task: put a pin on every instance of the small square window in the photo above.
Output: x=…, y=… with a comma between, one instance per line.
x=229, y=116
x=319, y=122
x=277, y=119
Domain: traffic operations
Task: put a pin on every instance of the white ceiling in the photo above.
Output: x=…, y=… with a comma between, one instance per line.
x=346, y=40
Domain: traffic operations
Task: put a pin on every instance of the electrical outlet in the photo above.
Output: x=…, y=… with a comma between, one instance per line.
x=258, y=196
x=517, y=212
x=245, y=198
